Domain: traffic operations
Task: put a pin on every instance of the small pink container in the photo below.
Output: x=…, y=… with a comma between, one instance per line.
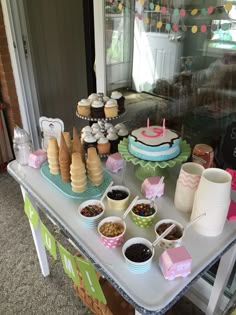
x=112, y=242
x=175, y=262
x=115, y=163
x=150, y=187
x=37, y=158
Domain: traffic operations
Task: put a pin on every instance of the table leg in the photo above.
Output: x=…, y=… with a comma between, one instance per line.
x=223, y=273
x=40, y=249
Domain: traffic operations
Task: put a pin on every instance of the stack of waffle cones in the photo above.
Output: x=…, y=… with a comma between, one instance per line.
x=53, y=158
x=68, y=141
x=94, y=167
x=78, y=173
x=77, y=146
x=64, y=160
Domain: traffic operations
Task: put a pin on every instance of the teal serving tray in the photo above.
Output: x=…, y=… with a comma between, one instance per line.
x=91, y=192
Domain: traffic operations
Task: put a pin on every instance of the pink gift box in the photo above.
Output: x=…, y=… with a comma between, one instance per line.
x=115, y=162
x=150, y=187
x=37, y=158
x=175, y=262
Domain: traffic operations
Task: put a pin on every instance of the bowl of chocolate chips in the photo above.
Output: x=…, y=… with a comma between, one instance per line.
x=138, y=253
x=172, y=239
x=118, y=197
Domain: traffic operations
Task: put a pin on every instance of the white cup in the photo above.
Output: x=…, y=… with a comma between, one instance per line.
x=186, y=186
x=213, y=198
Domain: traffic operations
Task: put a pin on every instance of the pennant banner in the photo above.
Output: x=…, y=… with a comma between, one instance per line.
x=144, y=7
x=90, y=280
x=31, y=213
x=48, y=240
x=68, y=262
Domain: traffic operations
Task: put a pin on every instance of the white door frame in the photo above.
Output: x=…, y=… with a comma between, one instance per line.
x=16, y=31
x=100, y=51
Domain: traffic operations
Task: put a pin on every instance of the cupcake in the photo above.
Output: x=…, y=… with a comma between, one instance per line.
x=95, y=130
x=123, y=133
x=111, y=129
x=86, y=129
x=120, y=126
x=111, y=108
x=108, y=125
x=105, y=99
x=103, y=146
x=85, y=134
x=114, y=140
x=97, y=109
x=89, y=141
x=84, y=107
x=120, y=101
x=93, y=97
x=99, y=135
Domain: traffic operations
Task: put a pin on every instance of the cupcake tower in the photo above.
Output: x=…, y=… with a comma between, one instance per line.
x=98, y=106
x=71, y=164
x=106, y=141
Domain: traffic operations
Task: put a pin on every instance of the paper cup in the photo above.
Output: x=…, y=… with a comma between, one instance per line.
x=91, y=222
x=118, y=204
x=141, y=220
x=112, y=242
x=138, y=267
x=186, y=186
x=213, y=198
x=165, y=243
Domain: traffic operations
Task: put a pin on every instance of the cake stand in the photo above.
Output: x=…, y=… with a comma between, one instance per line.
x=149, y=168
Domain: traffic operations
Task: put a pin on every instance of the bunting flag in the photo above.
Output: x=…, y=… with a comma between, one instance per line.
x=48, y=240
x=69, y=262
x=69, y=265
x=31, y=213
x=164, y=11
x=90, y=280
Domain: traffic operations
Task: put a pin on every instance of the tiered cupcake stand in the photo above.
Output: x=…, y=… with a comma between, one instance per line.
x=146, y=169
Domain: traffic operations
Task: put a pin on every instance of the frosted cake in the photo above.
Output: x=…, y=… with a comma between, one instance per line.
x=152, y=144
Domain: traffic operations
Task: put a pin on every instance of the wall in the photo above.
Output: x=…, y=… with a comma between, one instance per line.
x=7, y=84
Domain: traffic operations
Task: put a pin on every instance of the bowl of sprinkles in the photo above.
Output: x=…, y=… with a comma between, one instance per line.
x=143, y=212
x=91, y=212
x=112, y=231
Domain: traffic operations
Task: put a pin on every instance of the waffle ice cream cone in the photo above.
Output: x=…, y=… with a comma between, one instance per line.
x=94, y=167
x=78, y=173
x=77, y=146
x=53, y=156
x=68, y=141
x=64, y=160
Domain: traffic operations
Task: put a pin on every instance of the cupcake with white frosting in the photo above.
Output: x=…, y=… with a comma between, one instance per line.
x=84, y=107
x=111, y=108
x=123, y=133
x=114, y=140
x=93, y=97
x=108, y=125
x=89, y=141
x=105, y=99
x=97, y=109
x=85, y=134
x=103, y=146
x=120, y=101
x=99, y=135
x=111, y=129
x=95, y=130
x=120, y=126
x=86, y=129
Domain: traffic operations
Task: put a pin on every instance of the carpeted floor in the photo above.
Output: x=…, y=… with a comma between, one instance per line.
x=23, y=289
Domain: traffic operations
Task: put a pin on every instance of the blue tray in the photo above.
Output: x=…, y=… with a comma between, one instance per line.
x=90, y=193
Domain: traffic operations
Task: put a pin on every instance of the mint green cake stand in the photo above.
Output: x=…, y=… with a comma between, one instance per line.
x=146, y=169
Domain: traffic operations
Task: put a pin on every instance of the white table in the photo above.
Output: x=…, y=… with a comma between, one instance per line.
x=149, y=293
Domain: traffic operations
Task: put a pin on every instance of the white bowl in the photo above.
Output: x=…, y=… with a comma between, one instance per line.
x=164, y=243
x=91, y=221
x=138, y=267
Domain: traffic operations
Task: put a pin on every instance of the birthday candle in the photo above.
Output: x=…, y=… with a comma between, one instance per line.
x=148, y=122
x=164, y=127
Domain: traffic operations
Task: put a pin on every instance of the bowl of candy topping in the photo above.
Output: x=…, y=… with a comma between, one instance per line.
x=144, y=212
x=111, y=231
x=118, y=197
x=91, y=212
x=138, y=253
x=172, y=239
